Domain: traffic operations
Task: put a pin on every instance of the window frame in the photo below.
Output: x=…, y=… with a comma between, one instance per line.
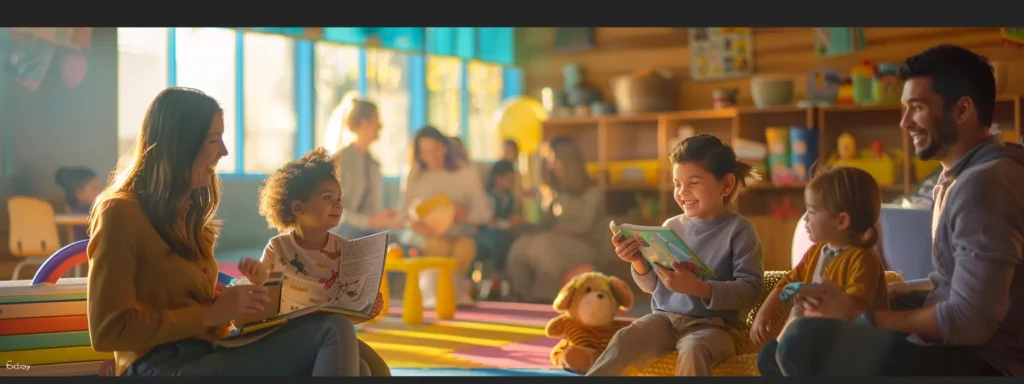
x=305, y=88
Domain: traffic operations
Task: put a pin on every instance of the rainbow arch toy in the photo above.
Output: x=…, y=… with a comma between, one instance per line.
x=61, y=262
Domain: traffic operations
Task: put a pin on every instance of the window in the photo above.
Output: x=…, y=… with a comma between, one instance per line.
x=387, y=79
x=271, y=124
x=142, y=59
x=336, y=75
x=444, y=93
x=485, y=89
x=206, y=59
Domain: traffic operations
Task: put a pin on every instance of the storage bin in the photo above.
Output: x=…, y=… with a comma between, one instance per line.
x=645, y=172
x=884, y=170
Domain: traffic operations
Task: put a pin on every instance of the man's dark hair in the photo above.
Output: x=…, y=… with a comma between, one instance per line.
x=955, y=72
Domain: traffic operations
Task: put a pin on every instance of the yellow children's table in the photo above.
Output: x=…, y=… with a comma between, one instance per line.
x=412, y=301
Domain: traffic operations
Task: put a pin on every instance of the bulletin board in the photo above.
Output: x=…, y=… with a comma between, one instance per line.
x=721, y=53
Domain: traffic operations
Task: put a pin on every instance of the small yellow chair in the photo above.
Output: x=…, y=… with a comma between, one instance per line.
x=33, y=231
x=412, y=300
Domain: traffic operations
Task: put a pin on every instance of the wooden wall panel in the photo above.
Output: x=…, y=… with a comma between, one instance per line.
x=620, y=51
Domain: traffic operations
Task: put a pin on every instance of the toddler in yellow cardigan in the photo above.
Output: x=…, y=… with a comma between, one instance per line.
x=843, y=205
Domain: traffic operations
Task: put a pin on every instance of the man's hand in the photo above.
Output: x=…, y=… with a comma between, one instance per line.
x=253, y=270
x=826, y=300
x=378, y=305
x=682, y=280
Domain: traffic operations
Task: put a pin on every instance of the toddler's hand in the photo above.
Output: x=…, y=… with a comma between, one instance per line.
x=378, y=305
x=253, y=270
x=760, y=328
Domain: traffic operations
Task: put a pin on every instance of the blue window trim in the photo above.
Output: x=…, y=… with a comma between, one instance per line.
x=172, y=57
x=239, y=103
x=464, y=102
x=304, y=96
x=305, y=93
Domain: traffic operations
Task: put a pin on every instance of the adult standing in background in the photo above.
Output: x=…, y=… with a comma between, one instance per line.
x=361, y=178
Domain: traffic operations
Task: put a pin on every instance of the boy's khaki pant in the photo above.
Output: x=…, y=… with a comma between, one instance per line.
x=701, y=342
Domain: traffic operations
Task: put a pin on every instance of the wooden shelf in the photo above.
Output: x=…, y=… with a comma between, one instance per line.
x=648, y=136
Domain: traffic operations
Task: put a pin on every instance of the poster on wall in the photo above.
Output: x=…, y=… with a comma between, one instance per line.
x=721, y=53
x=27, y=58
x=74, y=38
x=831, y=42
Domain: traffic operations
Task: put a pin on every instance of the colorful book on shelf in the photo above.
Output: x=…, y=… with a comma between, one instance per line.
x=360, y=271
x=44, y=341
x=34, y=325
x=54, y=355
x=22, y=291
x=662, y=246
x=45, y=309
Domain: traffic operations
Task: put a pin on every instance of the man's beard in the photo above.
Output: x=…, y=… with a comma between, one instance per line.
x=942, y=137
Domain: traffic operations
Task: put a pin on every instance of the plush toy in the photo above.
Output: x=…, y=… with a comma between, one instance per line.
x=587, y=305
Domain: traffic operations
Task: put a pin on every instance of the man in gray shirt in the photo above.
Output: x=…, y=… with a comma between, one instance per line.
x=972, y=321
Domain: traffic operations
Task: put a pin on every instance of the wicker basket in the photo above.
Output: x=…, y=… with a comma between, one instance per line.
x=650, y=91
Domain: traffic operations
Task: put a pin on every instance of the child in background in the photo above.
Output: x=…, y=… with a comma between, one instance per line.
x=698, y=318
x=497, y=237
x=81, y=186
x=302, y=200
x=843, y=205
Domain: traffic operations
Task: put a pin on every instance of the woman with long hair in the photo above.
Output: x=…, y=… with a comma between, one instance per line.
x=435, y=171
x=361, y=178
x=152, y=270
x=575, y=227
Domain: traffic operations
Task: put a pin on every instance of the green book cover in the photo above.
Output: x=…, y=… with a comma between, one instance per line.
x=661, y=245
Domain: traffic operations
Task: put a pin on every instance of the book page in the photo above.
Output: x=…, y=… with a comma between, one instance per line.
x=362, y=266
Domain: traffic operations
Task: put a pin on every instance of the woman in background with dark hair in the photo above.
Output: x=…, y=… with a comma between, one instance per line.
x=436, y=170
x=81, y=186
x=576, y=227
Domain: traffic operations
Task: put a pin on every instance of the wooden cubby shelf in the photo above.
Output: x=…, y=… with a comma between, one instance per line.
x=649, y=137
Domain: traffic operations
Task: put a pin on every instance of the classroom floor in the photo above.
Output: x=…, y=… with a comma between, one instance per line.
x=488, y=339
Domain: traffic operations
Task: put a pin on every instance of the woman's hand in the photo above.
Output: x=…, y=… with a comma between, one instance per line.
x=253, y=270
x=233, y=302
x=378, y=305
x=421, y=228
x=461, y=213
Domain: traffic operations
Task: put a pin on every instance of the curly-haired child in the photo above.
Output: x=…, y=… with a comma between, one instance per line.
x=302, y=200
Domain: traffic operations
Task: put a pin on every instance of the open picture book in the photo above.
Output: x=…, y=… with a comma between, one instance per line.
x=360, y=271
x=661, y=245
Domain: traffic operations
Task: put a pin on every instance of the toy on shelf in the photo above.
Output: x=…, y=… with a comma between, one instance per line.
x=886, y=85
x=863, y=76
x=803, y=147
x=724, y=98
x=846, y=146
x=780, y=160
x=845, y=96
x=822, y=87
x=878, y=149
x=1013, y=37
x=783, y=210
